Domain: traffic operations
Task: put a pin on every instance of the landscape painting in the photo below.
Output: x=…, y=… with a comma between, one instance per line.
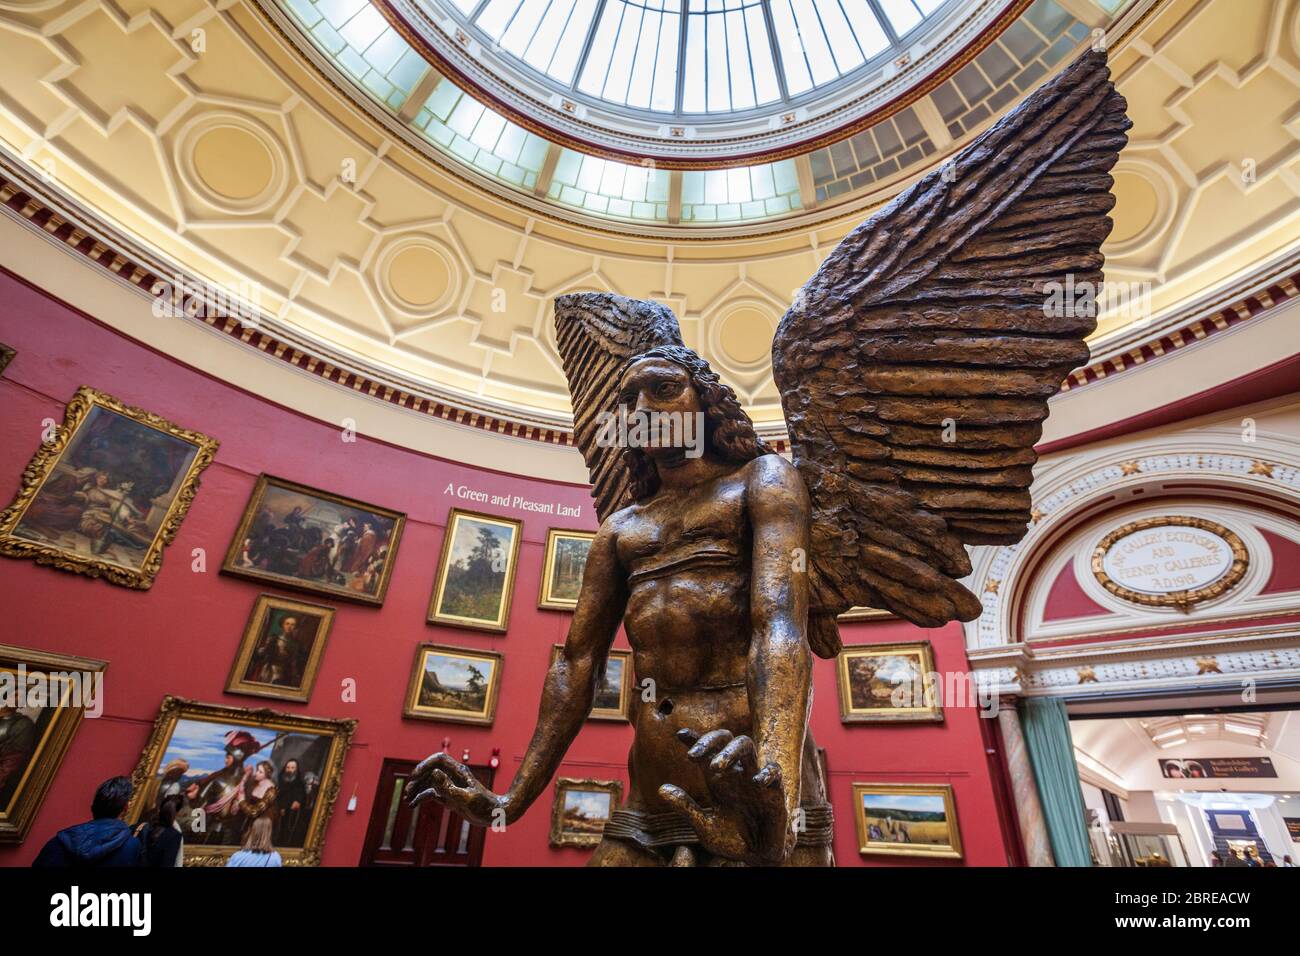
x=566, y=558
x=889, y=682
x=313, y=540
x=581, y=810
x=614, y=692
x=457, y=684
x=907, y=820
x=476, y=573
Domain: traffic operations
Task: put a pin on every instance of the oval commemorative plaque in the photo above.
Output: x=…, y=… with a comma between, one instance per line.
x=1170, y=561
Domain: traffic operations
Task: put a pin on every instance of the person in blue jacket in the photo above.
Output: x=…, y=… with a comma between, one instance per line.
x=104, y=841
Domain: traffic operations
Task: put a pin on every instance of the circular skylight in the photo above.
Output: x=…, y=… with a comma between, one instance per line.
x=693, y=58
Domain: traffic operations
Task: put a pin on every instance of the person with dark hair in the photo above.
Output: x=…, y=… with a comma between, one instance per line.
x=102, y=841
x=161, y=841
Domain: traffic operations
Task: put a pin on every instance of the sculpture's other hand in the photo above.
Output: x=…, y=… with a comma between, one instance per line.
x=445, y=779
x=748, y=820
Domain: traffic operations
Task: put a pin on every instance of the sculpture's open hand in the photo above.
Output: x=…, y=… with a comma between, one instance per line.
x=748, y=820
x=445, y=779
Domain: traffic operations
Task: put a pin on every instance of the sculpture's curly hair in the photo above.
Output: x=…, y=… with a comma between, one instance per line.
x=728, y=432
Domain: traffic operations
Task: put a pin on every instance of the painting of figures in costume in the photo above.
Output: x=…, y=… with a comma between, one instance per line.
x=315, y=541
x=566, y=558
x=476, y=574
x=106, y=492
x=43, y=698
x=228, y=767
x=889, y=682
x=581, y=810
x=458, y=684
x=282, y=648
x=907, y=820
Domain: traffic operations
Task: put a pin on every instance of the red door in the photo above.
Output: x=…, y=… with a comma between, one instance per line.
x=427, y=835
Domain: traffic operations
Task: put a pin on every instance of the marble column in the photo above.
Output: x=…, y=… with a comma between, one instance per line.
x=1029, y=812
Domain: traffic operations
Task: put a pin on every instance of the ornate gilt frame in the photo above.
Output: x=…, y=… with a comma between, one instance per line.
x=262, y=607
x=265, y=481
x=558, y=837
x=47, y=457
x=501, y=625
x=177, y=708
x=950, y=851
x=924, y=650
x=624, y=710
x=1183, y=600
x=544, y=596
x=412, y=707
x=46, y=760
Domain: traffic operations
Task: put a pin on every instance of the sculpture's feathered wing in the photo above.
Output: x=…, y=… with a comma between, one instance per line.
x=596, y=333
x=915, y=367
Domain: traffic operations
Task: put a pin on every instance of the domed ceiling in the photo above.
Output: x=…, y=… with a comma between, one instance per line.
x=398, y=233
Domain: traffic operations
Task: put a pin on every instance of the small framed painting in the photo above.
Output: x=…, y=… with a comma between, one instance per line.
x=566, y=558
x=614, y=692
x=282, y=648
x=907, y=819
x=43, y=698
x=888, y=682
x=459, y=684
x=238, y=771
x=107, y=493
x=476, y=573
x=311, y=540
x=582, y=808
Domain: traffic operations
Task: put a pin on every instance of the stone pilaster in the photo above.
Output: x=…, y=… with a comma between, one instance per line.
x=1029, y=811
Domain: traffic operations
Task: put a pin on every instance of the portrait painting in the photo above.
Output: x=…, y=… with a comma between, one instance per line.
x=907, y=820
x=43, y=698
x=888, y=682
x=226, y=768
x=614, y=692
x=281, y=650
x=476, y=573
x=106, y=492
x=312, y=540
x=457, y=684
x=581, y=810
x=562, y=567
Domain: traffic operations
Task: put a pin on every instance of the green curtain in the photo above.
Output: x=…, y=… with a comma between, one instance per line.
x=1051, y=751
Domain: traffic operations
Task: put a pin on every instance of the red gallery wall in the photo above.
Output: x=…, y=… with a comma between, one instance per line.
x=180, y=637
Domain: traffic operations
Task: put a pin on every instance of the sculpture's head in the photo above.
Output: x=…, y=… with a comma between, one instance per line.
x=673, y=381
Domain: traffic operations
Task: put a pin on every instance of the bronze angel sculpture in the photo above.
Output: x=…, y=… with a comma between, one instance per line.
x=915, y=369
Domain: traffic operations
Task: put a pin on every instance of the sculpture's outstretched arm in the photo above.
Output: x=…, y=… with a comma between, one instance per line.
x=567, y=698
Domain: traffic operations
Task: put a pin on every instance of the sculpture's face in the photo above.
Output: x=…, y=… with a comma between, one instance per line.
x=656, y=386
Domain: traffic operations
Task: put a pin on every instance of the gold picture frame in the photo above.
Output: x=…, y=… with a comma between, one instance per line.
x=894, y=833
x=427, y=686
x=570, y=825
x=454, y=602
x=343, y=576
x=557, y=590
x=261, y=619
x=861, y=683
x=273, y=727
x=49, y=729
x=74, y=497
x=621, y=711
x=1177, y=599
x=6, y=356
x=865, y=614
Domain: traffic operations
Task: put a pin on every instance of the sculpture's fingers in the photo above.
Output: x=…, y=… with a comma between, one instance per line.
x=687, y=736
x=684, y=803
x=422, y=796
x=452, y=767
x=740, y=753
x=769, y=777
x=707, y=747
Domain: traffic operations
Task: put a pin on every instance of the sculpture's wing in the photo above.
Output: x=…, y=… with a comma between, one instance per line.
x=597, y=332
x=915, y=367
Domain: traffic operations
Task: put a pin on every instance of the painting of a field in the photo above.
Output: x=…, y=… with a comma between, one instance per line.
x=907, y=820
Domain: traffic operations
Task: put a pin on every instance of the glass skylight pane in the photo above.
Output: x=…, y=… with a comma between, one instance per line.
x=903, y=14
x=813, y=38
x=524, y=26
x=496, y=17
x=695, y=79
x=742, y=73
x=643, y=69
x=797, y=78
x=843, y=46
x=870, y=34
x=620, y=68
x=602, y=49
x=665, y=78
x=719, y=92
x=569, y=46
x=760, y=55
